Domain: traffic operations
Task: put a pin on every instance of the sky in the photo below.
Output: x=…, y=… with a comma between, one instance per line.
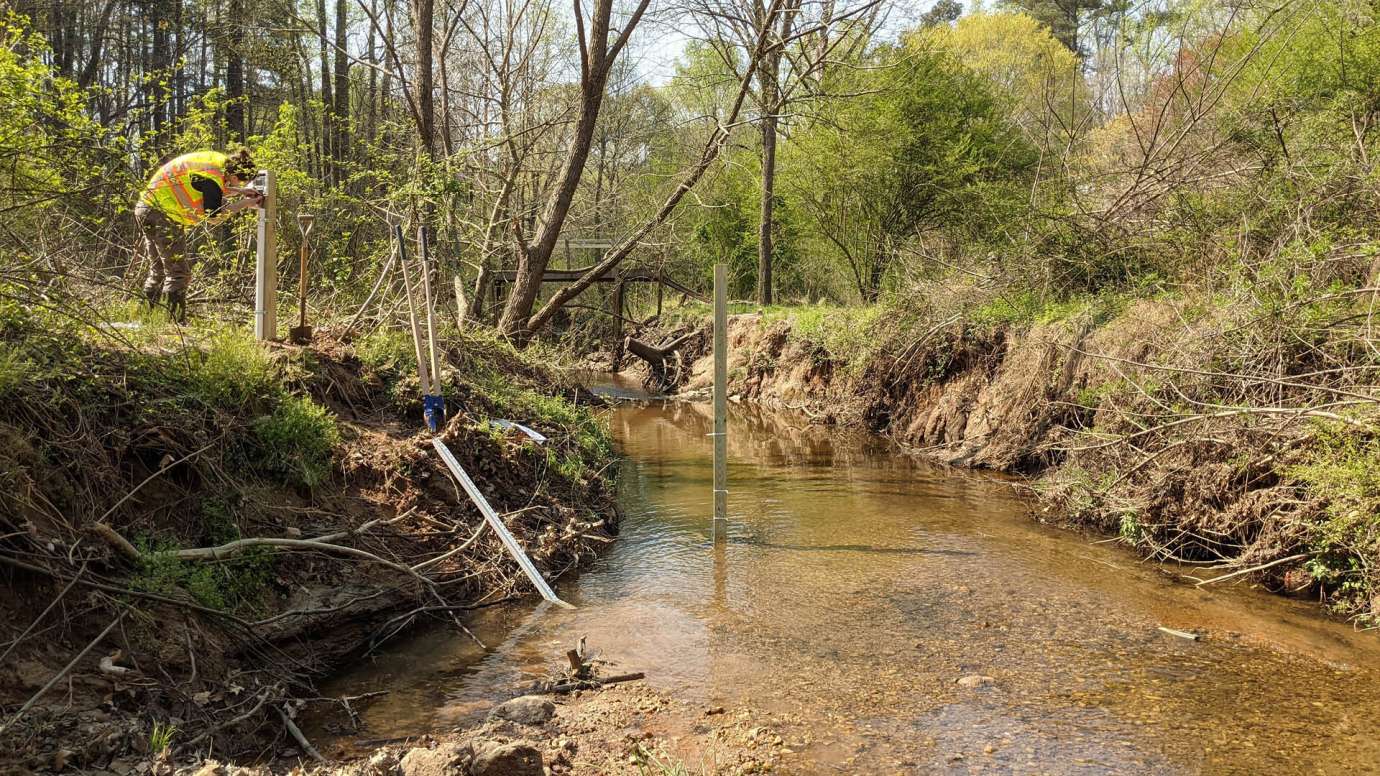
x=662, y=37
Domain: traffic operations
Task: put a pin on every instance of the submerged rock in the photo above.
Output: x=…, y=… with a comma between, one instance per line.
x=527, y=709
x=973, y=681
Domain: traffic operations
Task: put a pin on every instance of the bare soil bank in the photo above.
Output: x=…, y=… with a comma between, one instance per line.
x=119, y=644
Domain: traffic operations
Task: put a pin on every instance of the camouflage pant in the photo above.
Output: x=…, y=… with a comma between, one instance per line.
x=165, y=243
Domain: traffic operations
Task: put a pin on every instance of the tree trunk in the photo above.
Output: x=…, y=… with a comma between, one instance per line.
x=481, y=287
x=766, y=222
x=327, y=104
x=711, y=151
x=532, y=261
x=93, y=64
x=60, y=37
x=599, y=48
x=423, y=17
x=161, y=62
x=235, y=112
x=371, y=54
x=341, y=141
x=178, y=37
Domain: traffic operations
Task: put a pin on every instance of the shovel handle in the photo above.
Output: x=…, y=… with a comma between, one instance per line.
x=305, y=222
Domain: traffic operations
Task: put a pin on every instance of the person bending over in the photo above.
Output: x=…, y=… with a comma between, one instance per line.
x=189, y=190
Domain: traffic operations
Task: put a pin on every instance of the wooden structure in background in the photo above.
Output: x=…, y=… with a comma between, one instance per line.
x=493, y=283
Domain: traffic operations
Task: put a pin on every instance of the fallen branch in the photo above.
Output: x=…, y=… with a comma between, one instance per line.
x=297, y=734
x=1179, y=633
x=109, y=668
x=586, y=684
x=101, y=520
x=392, y=256
x=1295, y=412
x=263, y=699
x=426, y=564
x=1261, y=567
x=129, y=592
x=122, y=545
x=65, y=669
x=231, y=549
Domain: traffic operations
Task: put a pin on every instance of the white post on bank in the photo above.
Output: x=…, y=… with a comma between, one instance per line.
x=720, y=402
x=266, y=264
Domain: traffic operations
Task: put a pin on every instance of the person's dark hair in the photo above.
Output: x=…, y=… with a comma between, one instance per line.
x=241, y=165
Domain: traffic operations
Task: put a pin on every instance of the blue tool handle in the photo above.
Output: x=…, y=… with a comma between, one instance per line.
x=434, y=412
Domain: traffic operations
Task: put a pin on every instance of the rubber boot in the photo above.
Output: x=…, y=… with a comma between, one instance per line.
x=177, y=306
x=152, y=296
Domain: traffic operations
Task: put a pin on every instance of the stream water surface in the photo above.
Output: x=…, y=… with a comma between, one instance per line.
x=858, y=585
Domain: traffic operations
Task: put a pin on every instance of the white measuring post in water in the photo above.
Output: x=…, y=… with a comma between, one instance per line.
x=497, y=524
x=720, y=401
x=266, y=263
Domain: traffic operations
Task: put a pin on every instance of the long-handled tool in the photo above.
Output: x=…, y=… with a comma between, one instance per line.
x=431, y=392
x=301, y=333
x=435, y=404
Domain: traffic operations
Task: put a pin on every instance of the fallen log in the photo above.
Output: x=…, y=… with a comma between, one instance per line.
x=656, y=355
x=585, y=684
x=664, y=362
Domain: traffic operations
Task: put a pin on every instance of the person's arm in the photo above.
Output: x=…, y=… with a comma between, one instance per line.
x=249, y=197
x=213, y=198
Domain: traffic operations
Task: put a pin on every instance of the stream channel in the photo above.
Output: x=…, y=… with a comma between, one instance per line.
x=858, y=585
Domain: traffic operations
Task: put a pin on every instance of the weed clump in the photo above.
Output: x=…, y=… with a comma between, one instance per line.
x=236, y=583
x=295, y=441
x=15, y=368
x=1343, y=470
x=232, y=372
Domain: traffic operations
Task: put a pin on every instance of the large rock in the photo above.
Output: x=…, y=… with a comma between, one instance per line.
x=479, y=758
x=528, y=710
x=444, y=760
x=382, y=763
x=514, y=759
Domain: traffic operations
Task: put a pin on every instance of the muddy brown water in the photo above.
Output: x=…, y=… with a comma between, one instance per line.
x=858, y=585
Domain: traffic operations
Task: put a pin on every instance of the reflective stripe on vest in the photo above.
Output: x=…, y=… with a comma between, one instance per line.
x=170, y=189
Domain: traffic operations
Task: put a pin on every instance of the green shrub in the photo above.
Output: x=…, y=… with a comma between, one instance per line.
x=589, y=434
x=232, y=372
x=15, y=368
x=846, y=334
x=1343, y=469
x=1008, y=309
x=296, y=441
x=236, y=583
x=387, y=350
x=161, y=572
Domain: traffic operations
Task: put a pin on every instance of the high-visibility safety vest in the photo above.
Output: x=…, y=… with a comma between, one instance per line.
x=170, y=189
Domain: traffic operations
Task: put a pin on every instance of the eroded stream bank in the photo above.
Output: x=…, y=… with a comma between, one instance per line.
x=882, y=615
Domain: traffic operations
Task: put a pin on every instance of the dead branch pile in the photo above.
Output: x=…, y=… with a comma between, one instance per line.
x=1208, y=436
